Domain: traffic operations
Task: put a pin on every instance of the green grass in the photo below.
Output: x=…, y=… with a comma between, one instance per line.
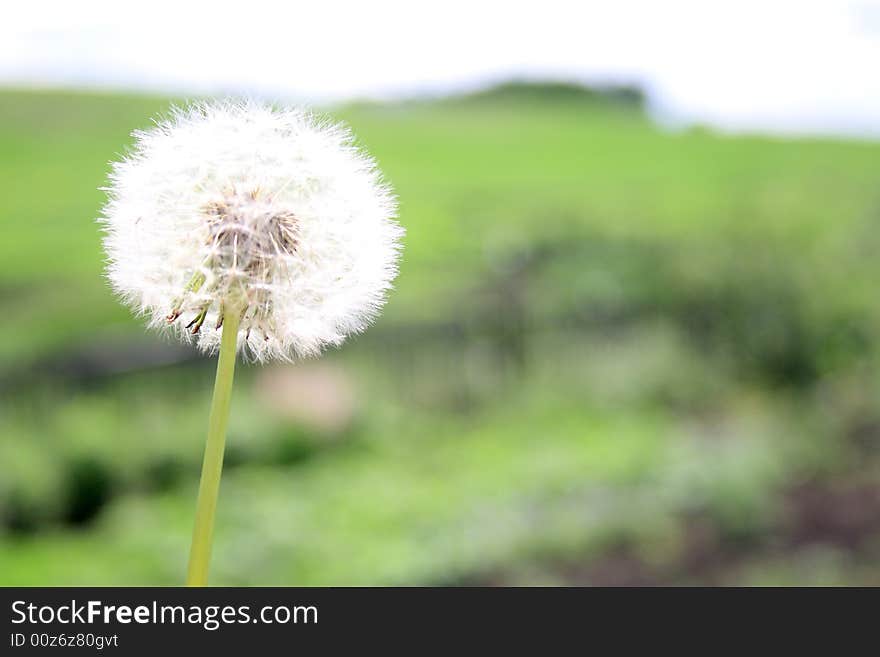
x=601, y=332
x=447, y=499
x=470, y=176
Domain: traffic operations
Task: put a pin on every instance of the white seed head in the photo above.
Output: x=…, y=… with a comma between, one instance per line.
x=241, y=207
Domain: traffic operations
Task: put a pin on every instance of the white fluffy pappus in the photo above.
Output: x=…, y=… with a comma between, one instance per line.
x=243, y=207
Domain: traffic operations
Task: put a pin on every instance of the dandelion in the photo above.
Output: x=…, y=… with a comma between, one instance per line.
x=248, y=229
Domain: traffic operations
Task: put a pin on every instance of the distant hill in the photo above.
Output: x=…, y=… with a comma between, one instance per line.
x=622, y=96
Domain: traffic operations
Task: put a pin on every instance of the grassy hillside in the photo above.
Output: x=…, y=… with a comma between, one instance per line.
x=609, y=344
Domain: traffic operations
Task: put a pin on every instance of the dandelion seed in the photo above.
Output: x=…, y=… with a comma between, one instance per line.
x=248, y=219
x=238, y=204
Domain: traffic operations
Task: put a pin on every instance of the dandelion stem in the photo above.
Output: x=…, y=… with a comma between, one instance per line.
x=212, y=465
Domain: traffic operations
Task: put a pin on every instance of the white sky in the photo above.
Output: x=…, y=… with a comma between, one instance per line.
x=776, y=65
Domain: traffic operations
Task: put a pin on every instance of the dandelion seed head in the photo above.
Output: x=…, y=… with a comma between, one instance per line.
x=242, y=207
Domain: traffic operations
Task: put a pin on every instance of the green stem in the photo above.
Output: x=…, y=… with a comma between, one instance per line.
x=212, y=465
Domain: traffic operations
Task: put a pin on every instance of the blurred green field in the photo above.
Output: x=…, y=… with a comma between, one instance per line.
x=615, y=354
